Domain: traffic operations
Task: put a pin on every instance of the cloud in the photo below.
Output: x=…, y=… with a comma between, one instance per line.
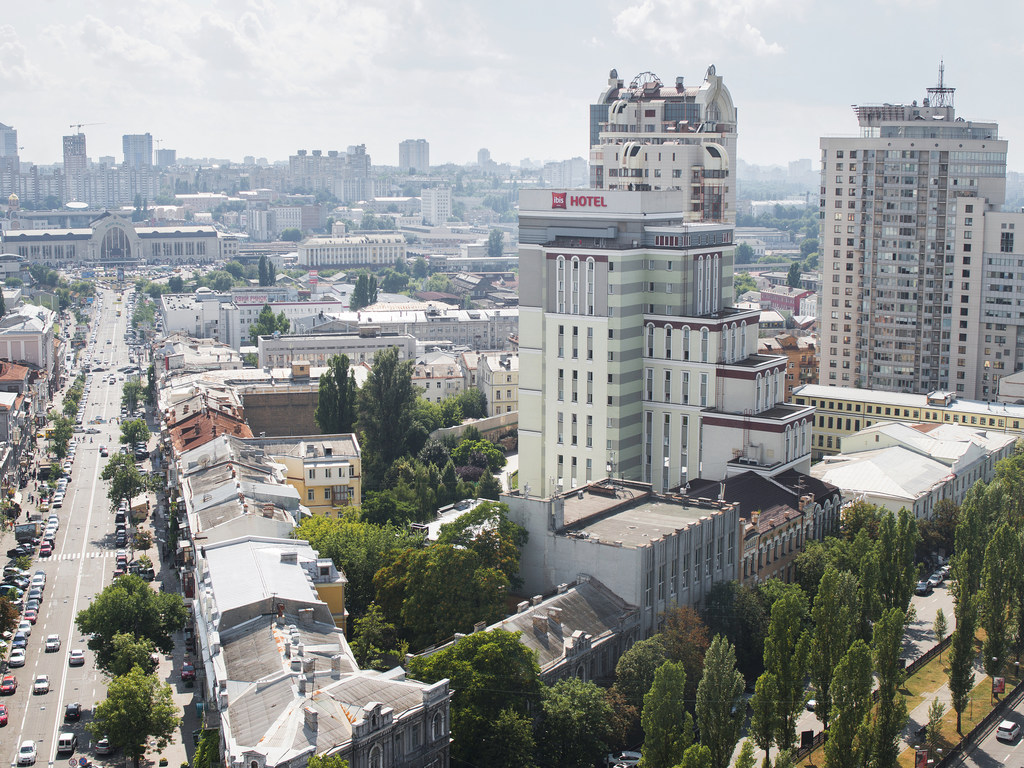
x=15, y=67
x=700, y=27
x=115, y=47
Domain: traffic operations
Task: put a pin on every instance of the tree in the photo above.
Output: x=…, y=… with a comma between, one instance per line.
x=416, y=592
x=935, y=714
x=235, y=269
x=938, y=532
x=126, y=482
x=668, y=727
x=138, y=708
x=846, y=746
x=808, y=246
x=634, y=672
x=741, y=283
x=128, y=651
x=764, y=723
x=495, y=244
x=487, y=531
x=890, y=715
x=336, y=403
x=697, y=756
x=266, y=325
x=734, y=610
x=326, y=761
x=364, y=293
x=9, y=616
x=176, y=284
x=473, y=404
x=576, y=728
x=786, y=649
x=1000, y=574
x=687, y=640
x=63, y=431
x=488, y=487
x=206, y=754
x=419, y=268
x=291, y=235
x=479, y=453
x=719, y=703
x=128, y=605
x=375, y=642
x=134, y=431
x=744, y=254
x=745, y=759
x=490, y=673
x=794, y=275
x=385, y=406
x=940, y=627
x=897, y=543
x=263, y=271
x=835, y=615
x=961, y=655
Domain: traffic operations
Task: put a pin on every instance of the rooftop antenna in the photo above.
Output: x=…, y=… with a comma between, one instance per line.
x=940, y=95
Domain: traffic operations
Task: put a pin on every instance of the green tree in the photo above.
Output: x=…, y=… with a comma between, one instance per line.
x=734, y=610
x=746, y=758
x=336, y=403
x=742, y=282
x=576, y=728
x=472, y=404
x=847, y=745
x=794, y=275
x=808, y=246
x=128, y=651
x=1000, y=574
x=835, y=615
x=897, y=544
x=126, y=482
x=134, y=431
x=934, y=734
x=375, y=642
x=490, y=673
x=940, y=627
x=419, y=268
x=487, y=531
x=489, y=487
x=291, y=235
x=697, y=756
x=129, y=605
x=357, y=548
x=267, y=323
x=495, y=244
x=786, y=650
x=668, y=727
x=263, y=270
x=962, y=654
x=744, y=254
x=131, y=393
x=364, y=293
x=176, y=284
x=207, y=752
x=508, y=743
x=634, y=672
x=719, y=703
x=765, y=722
x=63, y=431
x=235, y=269
x=138, y=708
x=385, y=408
x=890, y=715
x=479, y=453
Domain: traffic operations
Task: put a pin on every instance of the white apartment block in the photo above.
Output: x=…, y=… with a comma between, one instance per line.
x=433, y=322
x=414, y=155
x=436, y=205
x=318, y=348
x=905, y=303
x=498, y=375
x=352, y=251
x=651, y=136
x=633, y=362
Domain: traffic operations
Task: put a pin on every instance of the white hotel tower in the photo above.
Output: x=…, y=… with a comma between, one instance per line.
x=633, y=362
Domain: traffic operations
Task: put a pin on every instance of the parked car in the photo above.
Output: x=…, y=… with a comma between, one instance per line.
x=1008, y=731
x=76, y=658
x=923, y=588
x=8, y=685
x=188, y=671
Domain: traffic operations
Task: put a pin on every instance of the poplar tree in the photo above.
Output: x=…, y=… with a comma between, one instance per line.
x=835, y=615
x=668, y=727
x=846, y=745
x=719, y=703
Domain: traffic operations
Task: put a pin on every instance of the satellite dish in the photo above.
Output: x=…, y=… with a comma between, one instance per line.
x=75, y=205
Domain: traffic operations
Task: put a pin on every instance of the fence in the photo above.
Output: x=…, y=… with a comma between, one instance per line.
x=956, y=753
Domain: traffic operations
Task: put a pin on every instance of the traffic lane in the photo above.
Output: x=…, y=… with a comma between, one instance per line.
x=919, y=635
x=990, y=752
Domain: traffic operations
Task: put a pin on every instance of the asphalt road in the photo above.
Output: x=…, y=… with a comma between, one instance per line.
x=989, y=752
x=81, y=566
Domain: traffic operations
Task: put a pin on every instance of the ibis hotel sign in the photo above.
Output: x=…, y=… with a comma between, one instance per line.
x=566, y=200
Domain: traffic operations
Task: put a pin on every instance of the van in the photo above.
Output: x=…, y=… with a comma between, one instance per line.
x=66, y=743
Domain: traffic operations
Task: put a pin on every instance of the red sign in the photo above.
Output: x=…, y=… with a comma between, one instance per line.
x=998, y=685
x=560, y=199
x=921, y=758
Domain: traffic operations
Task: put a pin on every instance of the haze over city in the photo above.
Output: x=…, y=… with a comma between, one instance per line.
x=229, y=79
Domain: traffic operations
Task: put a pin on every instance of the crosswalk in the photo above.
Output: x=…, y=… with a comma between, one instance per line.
x=78, y=556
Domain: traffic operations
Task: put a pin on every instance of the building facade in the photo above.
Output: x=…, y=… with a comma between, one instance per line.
x=414, y=156
x=901, y=210
x=436, y=205
x=138, y=150
x=498, y=376
x=633, y=361
x=352, y=251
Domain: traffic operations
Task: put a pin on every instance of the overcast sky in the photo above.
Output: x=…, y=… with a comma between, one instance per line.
x=229, y=78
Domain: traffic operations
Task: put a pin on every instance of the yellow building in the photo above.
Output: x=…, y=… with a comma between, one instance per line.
x=326, y=470
x=498, y=379
x=842, y=411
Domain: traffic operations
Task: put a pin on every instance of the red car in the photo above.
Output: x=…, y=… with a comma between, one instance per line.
x=45, y=549
x=8, y=685
x=31, y=616
x=3, y=714
x=188, y=672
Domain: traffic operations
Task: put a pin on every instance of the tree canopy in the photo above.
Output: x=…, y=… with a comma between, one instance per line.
x=138, y=707
x=336, y=402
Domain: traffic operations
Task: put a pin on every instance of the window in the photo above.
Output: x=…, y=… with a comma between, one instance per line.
x=312, y=474
x=327, y=494
x=311, y=494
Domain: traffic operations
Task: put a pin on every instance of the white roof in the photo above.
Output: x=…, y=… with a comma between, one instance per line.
x=897, y=473
x=904, y=400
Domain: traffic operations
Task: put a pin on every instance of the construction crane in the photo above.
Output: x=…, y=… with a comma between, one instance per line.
x=79, y=126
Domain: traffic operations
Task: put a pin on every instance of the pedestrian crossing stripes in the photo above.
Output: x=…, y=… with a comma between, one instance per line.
x=78, y=555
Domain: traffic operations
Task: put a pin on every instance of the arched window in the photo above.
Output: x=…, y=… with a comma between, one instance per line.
x=115, y=245
x=650, y=340
x=668, y=342
x=716, y=280
x=437, y=726
x=775, y=388
x=757, y=398
x=376, y=756
x=732, y=343
x=591, y=278
x=686, y=342
x=575, y=285
x=789, y=435
x=703, y=345
x=700, y=285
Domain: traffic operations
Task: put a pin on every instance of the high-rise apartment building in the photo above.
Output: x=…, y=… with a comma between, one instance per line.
x=10, y=165
x=76, y=163
x=165, y=158
x=633, y=361
x=414, y=155
x=138, y=150
x=8, y=141
x=915, y=291
x=651, y=136
x=436, y=205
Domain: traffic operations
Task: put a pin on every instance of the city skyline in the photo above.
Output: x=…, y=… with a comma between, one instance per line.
x=265, y=79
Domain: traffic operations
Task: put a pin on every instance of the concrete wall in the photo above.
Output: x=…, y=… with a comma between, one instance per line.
x=281, y=413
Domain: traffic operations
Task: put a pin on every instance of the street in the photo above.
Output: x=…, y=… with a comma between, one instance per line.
x=989, y=752
x=81, y=566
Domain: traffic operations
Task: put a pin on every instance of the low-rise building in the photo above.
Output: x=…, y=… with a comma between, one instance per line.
x=179, y=351
x=783, y=299
x=439, y=375
x=434, y=322
x=368, y=250
x=841, y=411
x=318, y=348
x=801, y=359
x=326, y=470
x=499, y=382
x=896, y=465
x=26, y=336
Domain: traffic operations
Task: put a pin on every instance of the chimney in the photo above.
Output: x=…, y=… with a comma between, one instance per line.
x=540, y=625
x=305, y=615
x=536, y=600
x=309, y=718
x=336, y=666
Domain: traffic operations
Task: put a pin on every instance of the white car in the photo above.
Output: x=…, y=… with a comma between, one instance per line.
x=1008, y=731
x=52, y=643
x=25, y=626
x=17, y=658
x=27, y=753
x=41, y=685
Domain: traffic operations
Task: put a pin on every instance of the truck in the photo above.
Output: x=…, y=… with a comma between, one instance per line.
x=27, y=531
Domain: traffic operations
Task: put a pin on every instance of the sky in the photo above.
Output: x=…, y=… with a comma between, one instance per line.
x=230, y=78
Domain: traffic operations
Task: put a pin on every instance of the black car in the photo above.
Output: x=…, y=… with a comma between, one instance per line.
x=20, y=551
x=73, y=712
